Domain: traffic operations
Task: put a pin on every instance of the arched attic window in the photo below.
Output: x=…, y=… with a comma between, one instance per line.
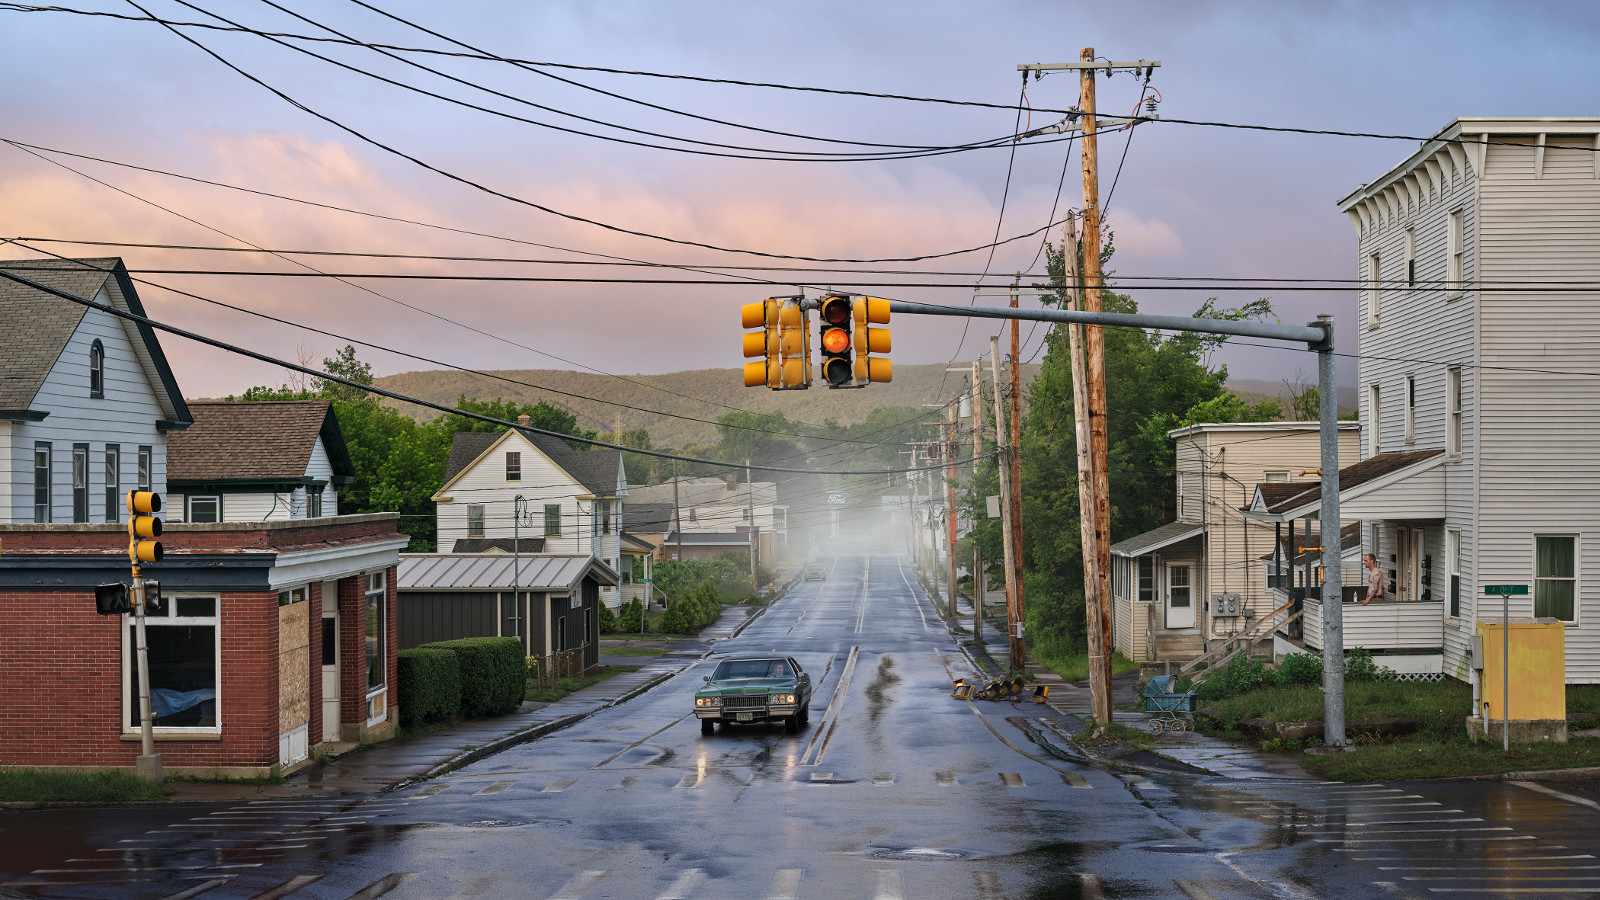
x=97, y=369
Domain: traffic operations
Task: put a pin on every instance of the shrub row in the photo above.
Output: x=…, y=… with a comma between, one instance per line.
x=627, y=622
x=475, y=677
x=1243, y=674
x=694, y=611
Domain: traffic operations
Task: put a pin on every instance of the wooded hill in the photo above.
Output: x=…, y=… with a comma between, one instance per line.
x=702, y=394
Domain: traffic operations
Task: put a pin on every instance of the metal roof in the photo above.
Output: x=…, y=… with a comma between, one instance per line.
x=494, y=571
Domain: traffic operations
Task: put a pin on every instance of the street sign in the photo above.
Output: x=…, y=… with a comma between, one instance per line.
x=1505, y=590
x=838, y=498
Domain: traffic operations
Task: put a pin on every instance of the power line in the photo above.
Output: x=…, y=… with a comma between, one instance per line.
x=438, y=407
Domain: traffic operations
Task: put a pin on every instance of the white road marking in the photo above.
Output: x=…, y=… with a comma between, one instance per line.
x=1365, y=825
x=383, y=885
x=830, y=717
x=559, y=785
x=917, y=604
x=947, y=779
x=578, y=885
x=1562, y=795
x=1192, y=889
x=785, y=885
x=1091, y=886
x=821, y=776
x=988, y=885
x=882, y=779
x=1519, y=837
x=1011, y=779
x=482, y=886
x=1396, y=890
x=495, y=788
x=198, y=889
x=431, y=789
x=690, y=780
x=287, y=888
x=1520, y=867
x=889, y=887
x=688, y=881
x=1076, y=780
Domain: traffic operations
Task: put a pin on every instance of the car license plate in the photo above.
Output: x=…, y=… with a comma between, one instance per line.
x=747, y=717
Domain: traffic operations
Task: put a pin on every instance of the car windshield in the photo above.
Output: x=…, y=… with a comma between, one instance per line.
x=753, y=668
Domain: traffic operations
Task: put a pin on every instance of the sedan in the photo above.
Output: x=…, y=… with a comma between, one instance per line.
x=815, y=572
x=754, y=689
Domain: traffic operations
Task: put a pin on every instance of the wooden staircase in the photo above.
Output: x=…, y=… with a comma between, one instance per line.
x=1224, y=652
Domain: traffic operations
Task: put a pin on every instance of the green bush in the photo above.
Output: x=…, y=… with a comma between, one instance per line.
x=1242, y=674
x=608, y=621
x=1300, y=668
x=430, y=685
x=699, y=607
x=494, y=674
x=630, y=621
x=1359, y=666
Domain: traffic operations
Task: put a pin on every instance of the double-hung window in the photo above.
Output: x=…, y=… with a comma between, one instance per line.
x=474, y=520
x=183, y=648
x=1374, y=289
x=314, y=502
x=113, y=482
x=1411, y=257
x=1452, y=394
x=605, y=517
x=1411, y=408
x=41, y=481
x=1452, y=551
x=1374, y=421
x=1555, y=576
x=80, y=482
x=513, y=465
x=204, y=509
x=146, y=454
x=1455, y=241
x=376, y=633
x=97, y=370
x=1147, y=579
x=552, y=519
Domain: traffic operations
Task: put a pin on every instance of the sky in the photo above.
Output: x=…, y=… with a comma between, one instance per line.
x=414, y=175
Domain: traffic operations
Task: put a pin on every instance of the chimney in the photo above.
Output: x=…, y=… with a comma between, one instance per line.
x=524, y=421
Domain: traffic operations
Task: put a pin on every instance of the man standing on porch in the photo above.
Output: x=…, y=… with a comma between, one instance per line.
x=1374, y=579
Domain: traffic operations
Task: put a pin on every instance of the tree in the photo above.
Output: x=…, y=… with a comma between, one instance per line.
x=344, y=364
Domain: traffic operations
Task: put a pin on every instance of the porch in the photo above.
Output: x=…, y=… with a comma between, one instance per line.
x=1156, y=580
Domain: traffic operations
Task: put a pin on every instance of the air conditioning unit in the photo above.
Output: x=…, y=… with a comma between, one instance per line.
x=1224, y=605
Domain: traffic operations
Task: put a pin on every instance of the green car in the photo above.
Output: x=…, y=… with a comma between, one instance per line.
x=754, y=689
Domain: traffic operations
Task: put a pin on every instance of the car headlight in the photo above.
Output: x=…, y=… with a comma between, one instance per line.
x=780, y=698
x=708, y=701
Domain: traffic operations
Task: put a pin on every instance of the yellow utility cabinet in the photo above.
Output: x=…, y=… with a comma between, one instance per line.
x=1538, y=683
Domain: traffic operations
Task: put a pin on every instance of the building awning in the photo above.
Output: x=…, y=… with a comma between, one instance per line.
x=1151, y=541
x=1387, y=486
x=500, y=571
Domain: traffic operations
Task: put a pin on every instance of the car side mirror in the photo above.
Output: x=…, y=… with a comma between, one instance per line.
x=706, y=678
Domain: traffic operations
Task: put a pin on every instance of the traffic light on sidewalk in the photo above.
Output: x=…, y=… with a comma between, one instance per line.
x=143, y=528
x=838, y=367
x=870, y=311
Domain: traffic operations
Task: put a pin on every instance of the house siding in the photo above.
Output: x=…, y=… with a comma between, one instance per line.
x=542, y=482
x=1539, y=472
x=126, y=415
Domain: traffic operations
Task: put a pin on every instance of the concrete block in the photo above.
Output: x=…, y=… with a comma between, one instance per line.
x=1523, y=731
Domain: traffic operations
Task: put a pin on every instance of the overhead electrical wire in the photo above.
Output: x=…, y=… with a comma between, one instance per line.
x=428, y=404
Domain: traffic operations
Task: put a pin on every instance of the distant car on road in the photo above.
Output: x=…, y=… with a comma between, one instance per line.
x=815, y=572
x=754, y=689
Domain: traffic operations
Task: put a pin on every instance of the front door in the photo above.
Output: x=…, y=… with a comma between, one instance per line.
x=330, y=668
x=1408, y=543
x=1180, y=597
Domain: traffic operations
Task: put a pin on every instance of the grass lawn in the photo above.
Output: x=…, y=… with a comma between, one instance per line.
x=566, y=686
x=51, y=785
x=1439, y=749
x=1076, y=668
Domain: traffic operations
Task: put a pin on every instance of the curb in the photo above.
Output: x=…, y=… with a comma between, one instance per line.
x=1579, y=774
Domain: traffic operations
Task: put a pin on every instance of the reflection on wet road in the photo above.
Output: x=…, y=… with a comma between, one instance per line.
x=894, y=791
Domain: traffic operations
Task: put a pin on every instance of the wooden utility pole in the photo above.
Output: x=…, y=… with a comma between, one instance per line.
x=977, y=451
x=950, y=503
x=1094, y=605
x=1019, y=652
x=1099, y=451
x=677, y=519
x=755, y=531
x=1006, y=501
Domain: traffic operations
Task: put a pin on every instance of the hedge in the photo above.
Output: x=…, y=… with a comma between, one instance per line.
x=699, y=608
x=494, y=674
x=430, y=685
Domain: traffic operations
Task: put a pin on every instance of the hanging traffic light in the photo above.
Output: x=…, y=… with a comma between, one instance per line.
x=794, y=346
x=763, y=343
x=868, y=340
x=838, y=370
x=143, y=528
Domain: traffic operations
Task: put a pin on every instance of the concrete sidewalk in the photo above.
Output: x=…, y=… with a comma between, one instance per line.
x=379, y=767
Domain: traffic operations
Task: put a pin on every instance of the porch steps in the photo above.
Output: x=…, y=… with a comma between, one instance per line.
x=1177, y=646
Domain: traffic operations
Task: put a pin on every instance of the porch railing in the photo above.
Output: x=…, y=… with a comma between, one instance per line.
x=1244, y=640
x=547, y=670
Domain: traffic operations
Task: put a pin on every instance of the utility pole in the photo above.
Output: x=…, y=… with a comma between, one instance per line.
x=1003, y=463
x=977, y=451
x=1095, y=605
x=755, y=530
x=950, y=503
x=1018, y=651
x=677, y=518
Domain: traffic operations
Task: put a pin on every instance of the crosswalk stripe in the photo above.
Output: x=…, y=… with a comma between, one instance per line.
x=988, y=885
x=1396, y=890
x=580, y=883
x=287, y=888
x=947, y=779
x=559, y=785
x=690, y=780
x=888, y=885
x=432, y=789
x=686, y=882
x=1091, y=886
x=785, y=885
x=1076, y=780
x=1011, y=779
x=197, y=890
x=1193, y=890
x=383, y=885
x=495, y=788
x=882, y=779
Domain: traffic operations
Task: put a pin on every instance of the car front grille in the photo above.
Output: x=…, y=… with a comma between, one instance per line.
x=746, y=701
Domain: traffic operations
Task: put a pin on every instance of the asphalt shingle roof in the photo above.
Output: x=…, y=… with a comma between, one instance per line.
x=30, y=352
x=595, y=469
x=236, y=441
x=647, y=518
x=1280, y=497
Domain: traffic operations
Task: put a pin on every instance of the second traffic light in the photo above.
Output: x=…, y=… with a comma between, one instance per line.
x=868, y=340
x=838, y=367
x=782, y=341
x=143, y=528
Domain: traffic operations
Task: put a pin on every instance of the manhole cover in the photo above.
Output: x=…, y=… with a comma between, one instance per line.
x=923, y=854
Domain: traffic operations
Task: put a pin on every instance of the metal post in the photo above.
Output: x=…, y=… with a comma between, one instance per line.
x=1505, y=673
x=516, y=563
x=1332, y=577
x=677, y=517
x=950, y=505
x=149, y=765
x=755, y=533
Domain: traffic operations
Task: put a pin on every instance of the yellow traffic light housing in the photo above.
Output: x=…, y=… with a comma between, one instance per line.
x=781, y=343
x=838, y=369
x=794, y=346
x=143, y=528
x=870, y=311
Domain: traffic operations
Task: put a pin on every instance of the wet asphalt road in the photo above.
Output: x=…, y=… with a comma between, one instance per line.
x=894, y=791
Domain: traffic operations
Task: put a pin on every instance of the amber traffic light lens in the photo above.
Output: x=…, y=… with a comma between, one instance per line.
x=836, y=311
x=836, y=340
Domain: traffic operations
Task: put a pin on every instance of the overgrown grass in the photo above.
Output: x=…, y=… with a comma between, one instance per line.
x=1076, y=668
x=1412, y=758
x=1439, y=705
x=56, y=786
x=566, y=686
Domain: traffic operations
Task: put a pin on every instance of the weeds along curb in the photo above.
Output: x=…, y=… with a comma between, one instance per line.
x=1584, y=773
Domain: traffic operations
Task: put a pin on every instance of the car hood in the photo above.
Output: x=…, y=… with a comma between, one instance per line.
x=748, y=686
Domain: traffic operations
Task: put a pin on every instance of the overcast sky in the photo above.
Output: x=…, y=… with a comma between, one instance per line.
x=1190, y=201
